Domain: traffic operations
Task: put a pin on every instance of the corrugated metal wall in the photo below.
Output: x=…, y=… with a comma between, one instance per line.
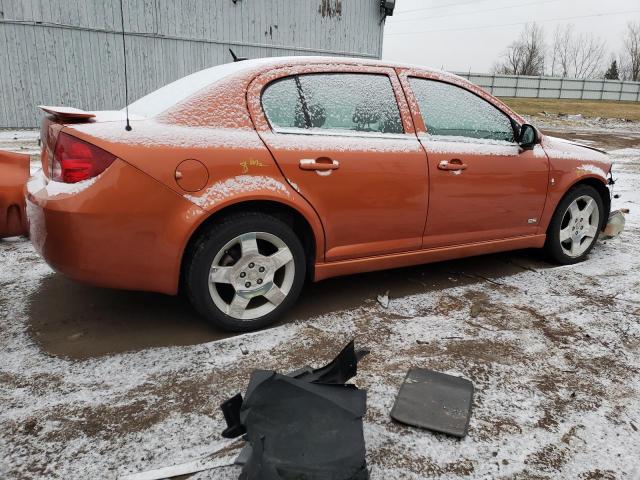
x=555, y=87
x=69, y=52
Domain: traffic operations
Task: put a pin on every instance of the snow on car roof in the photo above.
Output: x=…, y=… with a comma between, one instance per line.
x=165, y=97
x=171, y=94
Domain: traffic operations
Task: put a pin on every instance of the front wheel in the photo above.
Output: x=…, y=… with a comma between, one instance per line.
x=246, y=271
x=575, y=225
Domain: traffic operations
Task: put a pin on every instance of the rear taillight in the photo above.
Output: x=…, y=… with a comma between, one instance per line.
x=75, y=160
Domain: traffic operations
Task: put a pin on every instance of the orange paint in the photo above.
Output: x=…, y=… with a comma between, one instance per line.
x=370, y=202
x=14, y=172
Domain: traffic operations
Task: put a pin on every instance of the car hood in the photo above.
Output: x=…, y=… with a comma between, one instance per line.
x=569, y=149
x=578, y=144
x=566, y=156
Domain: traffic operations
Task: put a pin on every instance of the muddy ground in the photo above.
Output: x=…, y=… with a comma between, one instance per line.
x=97, y=382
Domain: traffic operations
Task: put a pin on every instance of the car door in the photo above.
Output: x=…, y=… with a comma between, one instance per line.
x=344, y=143
x=483, y=185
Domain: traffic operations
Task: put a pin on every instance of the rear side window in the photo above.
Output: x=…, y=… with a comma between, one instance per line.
x=453, y=111
x=282, y=104
x=339, y=102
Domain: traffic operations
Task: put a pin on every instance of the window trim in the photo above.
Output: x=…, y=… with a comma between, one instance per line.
x=515, y=127
x=331, y=132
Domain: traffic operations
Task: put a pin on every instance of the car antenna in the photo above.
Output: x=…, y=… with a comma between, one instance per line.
x=126, y=81
x=236, y=58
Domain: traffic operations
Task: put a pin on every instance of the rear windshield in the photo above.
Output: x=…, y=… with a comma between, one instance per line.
x=166, y=97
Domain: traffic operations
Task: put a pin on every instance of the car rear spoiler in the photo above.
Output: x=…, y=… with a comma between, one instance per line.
x=67, y=113
x=14, y=173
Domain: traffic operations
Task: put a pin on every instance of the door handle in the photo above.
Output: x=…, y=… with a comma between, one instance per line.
x=453, y=165
x=322, y=165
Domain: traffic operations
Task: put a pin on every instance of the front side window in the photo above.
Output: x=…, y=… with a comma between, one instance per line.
x=453, y=111
x=339, y=102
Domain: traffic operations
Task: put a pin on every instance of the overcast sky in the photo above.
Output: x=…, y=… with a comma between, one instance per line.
x=462, y=35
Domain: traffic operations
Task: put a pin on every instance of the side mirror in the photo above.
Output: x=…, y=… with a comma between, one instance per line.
x=528, y=137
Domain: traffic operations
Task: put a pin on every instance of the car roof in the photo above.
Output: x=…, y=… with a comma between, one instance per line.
x=173, y=93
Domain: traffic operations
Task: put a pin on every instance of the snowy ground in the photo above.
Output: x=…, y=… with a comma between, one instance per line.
x=554, y=353
x=21, y=141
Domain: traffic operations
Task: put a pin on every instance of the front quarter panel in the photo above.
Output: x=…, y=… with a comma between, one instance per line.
x=570, y=164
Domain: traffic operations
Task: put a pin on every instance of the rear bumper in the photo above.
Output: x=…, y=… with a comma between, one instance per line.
x=14, y=172
x=120, y=230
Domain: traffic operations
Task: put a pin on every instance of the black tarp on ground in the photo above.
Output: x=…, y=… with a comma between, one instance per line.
x=304, y=426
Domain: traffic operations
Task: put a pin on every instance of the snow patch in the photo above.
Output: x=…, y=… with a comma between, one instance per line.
x=625, y=153
x=38, y=182
x=20, y=141
x=62, y=109
x=152, y=134
x=165, y=97
x=37, y=227
x=58, y=188
x=220, y=191
x=552, y=353
x=477, y=141
x=113, y=116
x=344, y=142
x=23, y=135
x=590, y=168
x=560, y=148
x=471, y=146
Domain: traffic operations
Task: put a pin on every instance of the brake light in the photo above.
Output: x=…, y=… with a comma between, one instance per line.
x=75, y=160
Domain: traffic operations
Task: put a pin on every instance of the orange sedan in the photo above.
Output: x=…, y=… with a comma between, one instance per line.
x=238, y=183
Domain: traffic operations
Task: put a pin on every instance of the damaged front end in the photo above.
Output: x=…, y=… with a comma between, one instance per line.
x=14, y=173
x=616, y=221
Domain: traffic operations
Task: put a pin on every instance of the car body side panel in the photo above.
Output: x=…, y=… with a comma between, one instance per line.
x=238, y=189
x=158, y=148
x=221, y=105
x=239, y=166
x=501, y=193
x=569, y=165
x=121, y=230
x=128, y=228
x=376, y=201
x=404, y=259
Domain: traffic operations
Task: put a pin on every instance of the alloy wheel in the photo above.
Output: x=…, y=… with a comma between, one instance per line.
x=579, y=226
x=251, y=275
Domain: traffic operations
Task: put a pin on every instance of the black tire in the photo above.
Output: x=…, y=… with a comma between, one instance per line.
x=210, y=243
x=553, y=245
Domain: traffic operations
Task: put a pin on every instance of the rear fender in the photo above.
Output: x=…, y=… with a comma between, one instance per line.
x=14, y=173
x=244, y=189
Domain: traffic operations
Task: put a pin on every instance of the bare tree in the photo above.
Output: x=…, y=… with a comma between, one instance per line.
x=576, y=55
x=560, y=51
x=630, y=57
x=589, y=52
x=526, y=55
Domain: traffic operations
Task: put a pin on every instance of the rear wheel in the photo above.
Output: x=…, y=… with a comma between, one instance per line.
x=575, y=225
x=246, y=271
